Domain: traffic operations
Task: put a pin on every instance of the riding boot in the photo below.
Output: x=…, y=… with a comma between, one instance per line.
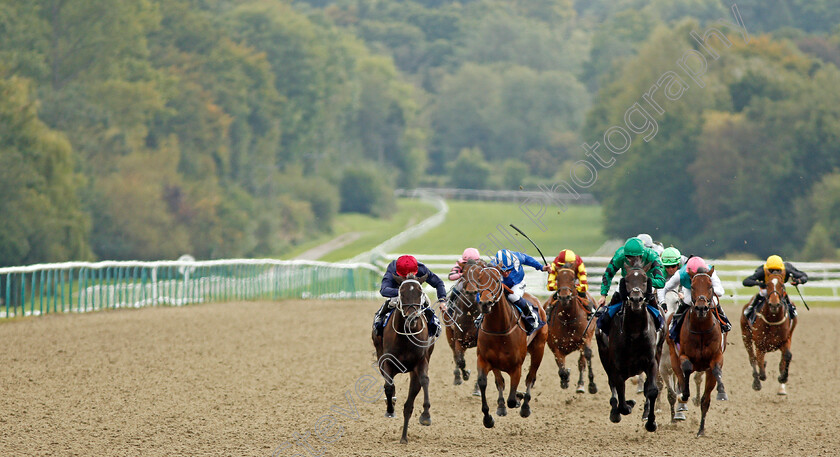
x=659, y=316
x=752, y=308
x=433, y=322
x=604, y=319
x=454, y=296
x=529, y=316
x=379, y=319
x=676, y=322
x=791, y=308
x=725, y=325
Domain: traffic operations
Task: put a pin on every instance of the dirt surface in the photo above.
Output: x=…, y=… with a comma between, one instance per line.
x=242, y=379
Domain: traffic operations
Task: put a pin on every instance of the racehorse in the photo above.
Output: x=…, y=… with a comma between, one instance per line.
x=461, y=332
x=406, y=338
x=632, y=346
x=502, y=342
x=701, y=342
x=771, y=331
x=667, y=381
x=568, y=329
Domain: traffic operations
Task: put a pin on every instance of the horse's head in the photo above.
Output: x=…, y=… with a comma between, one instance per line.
x=702, y=292
x=411, y=296
x=636, y=284
x=565, y=285
x=469, y=273
x=486, y=281
x=775, y=290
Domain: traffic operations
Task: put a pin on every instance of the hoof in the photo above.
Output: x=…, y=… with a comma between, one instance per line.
x=403, y=440
x=425, y=420
x=457, y=381
x=514, y=404
x=466, y=375
x=476, y=392
x=640, y=389
x=721, y=396
x=762, y=377
x=501, y=411
x=614, y=416
x=756, y=384
x=580, y=389
x=679, y=416
x=520, y=395
x=650, y=426
x=488, y=421
x=782, y=390
x=593, y=389
x=525, y=411
x=564, y=384
x=390, y=415
x=701, y=432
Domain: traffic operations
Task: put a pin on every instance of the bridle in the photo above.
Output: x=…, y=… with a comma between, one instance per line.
x=495, y=297
x=709, y=300
x=417, y=313
x=777, y=291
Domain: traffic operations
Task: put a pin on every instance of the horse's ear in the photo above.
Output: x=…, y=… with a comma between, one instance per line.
x=712, y=271
x=399, y=279
x=647, y=266
x=422, y=279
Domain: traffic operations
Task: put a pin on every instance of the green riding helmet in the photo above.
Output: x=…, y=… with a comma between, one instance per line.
x=634, y=247
x=670, y=257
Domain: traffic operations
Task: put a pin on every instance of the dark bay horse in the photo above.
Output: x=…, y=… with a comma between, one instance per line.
x=406, y=338
x=568, y=330
x=701, y=343
x=771, y=331
x=632, y=346
x=502, y=342
x=461, y=332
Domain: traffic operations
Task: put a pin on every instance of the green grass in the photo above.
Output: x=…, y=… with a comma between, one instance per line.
x=373, y=231
x=471, y=223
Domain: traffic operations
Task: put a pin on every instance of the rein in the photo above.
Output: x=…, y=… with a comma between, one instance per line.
x=777, y=290
x=411, y=316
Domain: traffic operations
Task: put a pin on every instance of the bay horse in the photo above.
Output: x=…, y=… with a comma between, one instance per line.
x=667, y=381
x=406, y=339
x=701, y=343
x=632, y=346
x=771, y=331
x=502, y=342
x=461, y=332
x=568, y=329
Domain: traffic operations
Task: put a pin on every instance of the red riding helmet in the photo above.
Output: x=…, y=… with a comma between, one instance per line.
x=406, y=265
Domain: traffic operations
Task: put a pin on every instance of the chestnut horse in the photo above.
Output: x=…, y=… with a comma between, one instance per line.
x=502, y=342
x=461, y=332
x=632, y=346
x=771, y=331
x=568, y=330
x=701, y=342
x=406, y=339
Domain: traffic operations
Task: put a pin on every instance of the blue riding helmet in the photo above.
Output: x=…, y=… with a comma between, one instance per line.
x=506, y=260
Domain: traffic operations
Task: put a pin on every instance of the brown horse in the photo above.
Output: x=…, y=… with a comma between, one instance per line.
x=701, y=342
x=568, y=330
x=406, y=339
x=502, y=342
x=771, y=331
x=461, y=332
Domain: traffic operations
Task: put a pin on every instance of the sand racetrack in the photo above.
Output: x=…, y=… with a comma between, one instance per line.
x=242, y=379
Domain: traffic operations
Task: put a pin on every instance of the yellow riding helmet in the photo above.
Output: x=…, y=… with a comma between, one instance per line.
x=774, y=262
x=570, y=256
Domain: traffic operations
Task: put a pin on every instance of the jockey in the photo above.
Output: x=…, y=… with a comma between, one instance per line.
x=510, y=262
x=575, y=262
x=683, y=280
x=632, y=250
x=774, y=264
x=458, y=270
x=650, y=244
x=672, y=261
x=402, y=267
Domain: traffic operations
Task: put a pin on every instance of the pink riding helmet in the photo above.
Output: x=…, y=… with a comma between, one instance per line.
x=470, y=254
x=694, y=264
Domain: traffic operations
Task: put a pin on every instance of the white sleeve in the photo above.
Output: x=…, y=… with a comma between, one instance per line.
x=660, y=296
x=672, y=283
x=717, y=285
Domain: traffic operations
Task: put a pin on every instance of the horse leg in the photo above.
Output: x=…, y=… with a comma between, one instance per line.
x=698, y=380
x=500, y=384
x=746, y=335
x=706, y=401
x=536, y=350
x=453, y=343
x=651, y=393
x=515, y=377
x=762, y=364
x=482, y=387
x=625, y=406
x=581, y=369
x=408, y=408
x=672, y=399
x=640, y=384
x=460, y=363
x=389, y=399
x=784, y=365
x=615, y=417
x=717, y=371
x=560, y=358
x=426, y=417
x=587, y=352
x=687, y=368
